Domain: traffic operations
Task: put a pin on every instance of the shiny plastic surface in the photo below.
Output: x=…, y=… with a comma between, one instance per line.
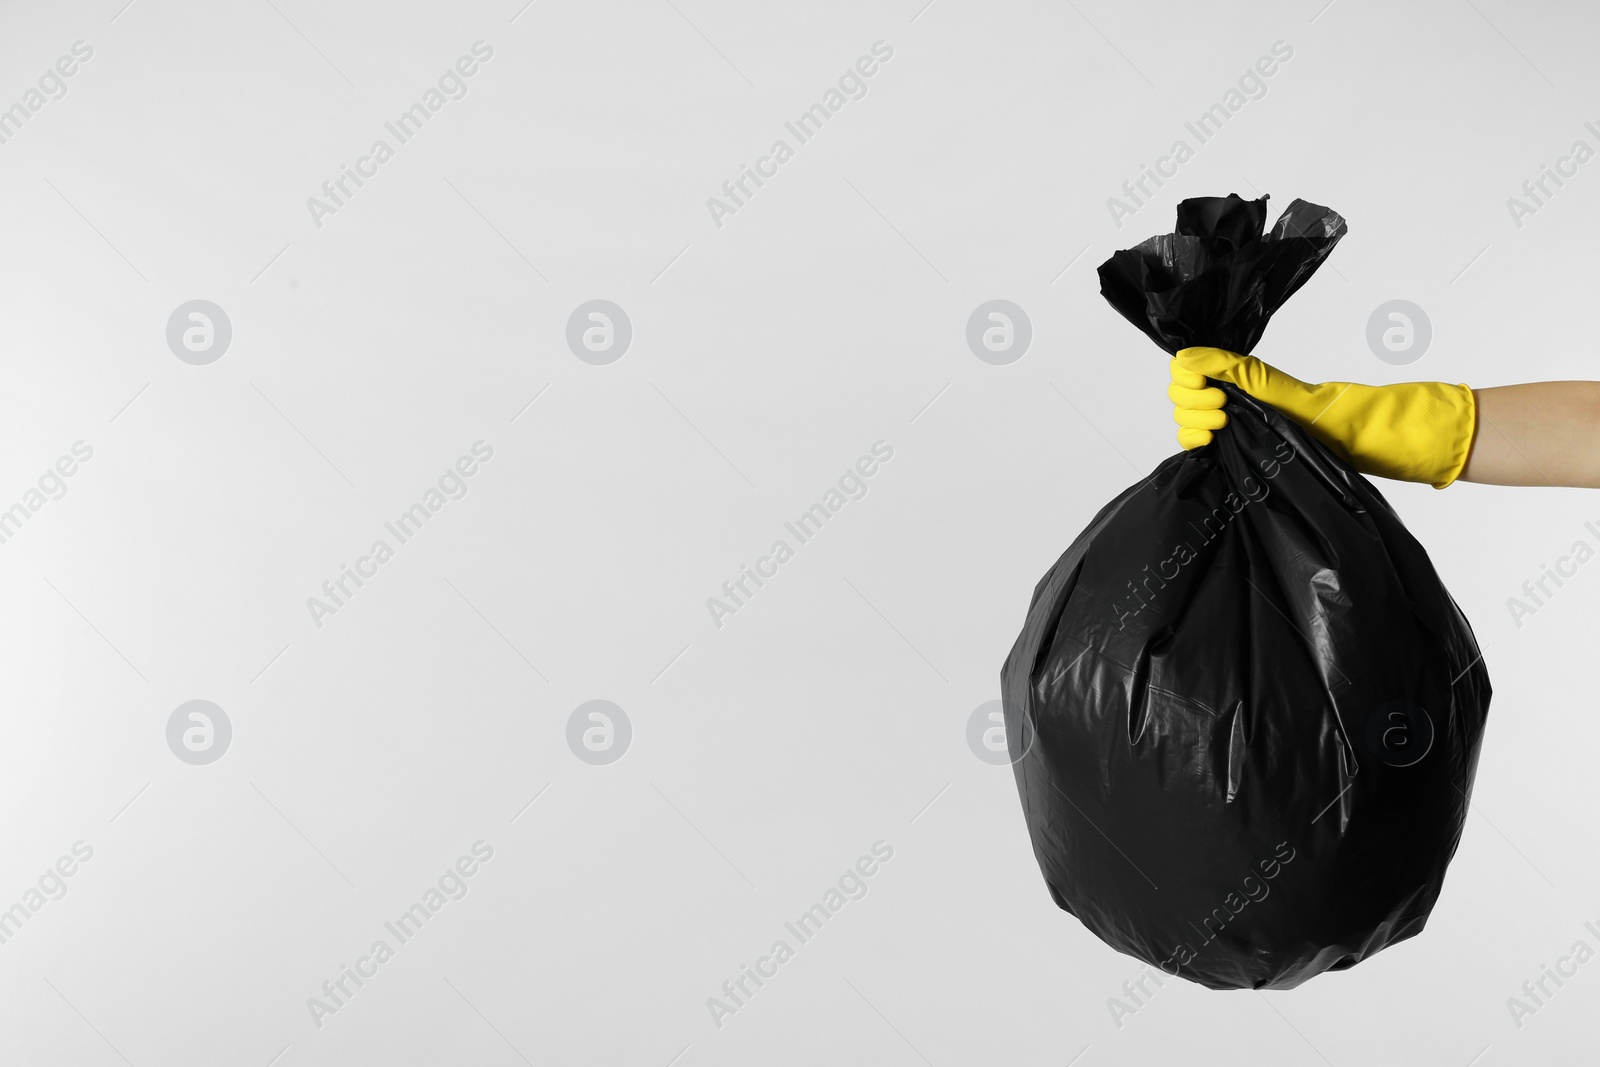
x=1218, y=280
x=1244, y=712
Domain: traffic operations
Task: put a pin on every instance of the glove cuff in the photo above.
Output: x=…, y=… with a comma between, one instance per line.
x=1458, y=447
x=1411, y=432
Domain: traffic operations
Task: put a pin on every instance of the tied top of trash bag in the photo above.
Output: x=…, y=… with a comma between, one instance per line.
x=1219, y=269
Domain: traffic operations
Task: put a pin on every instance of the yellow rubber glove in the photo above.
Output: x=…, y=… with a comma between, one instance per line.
x=1415, y=432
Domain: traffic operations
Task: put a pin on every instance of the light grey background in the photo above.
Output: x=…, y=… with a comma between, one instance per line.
x=830, y=712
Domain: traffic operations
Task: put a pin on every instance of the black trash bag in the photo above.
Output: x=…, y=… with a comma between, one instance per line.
x=1244, y=713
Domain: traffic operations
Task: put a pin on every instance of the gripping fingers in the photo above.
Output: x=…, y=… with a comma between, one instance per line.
x=1197, y=408
x=1196, y=425
x=1196, y=419
x=1185, y=377
x=1189, y=391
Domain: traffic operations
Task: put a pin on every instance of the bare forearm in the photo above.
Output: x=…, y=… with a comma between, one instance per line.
x=1540, y=433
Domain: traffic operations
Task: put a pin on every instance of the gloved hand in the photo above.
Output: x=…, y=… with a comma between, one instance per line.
x=1415, y=432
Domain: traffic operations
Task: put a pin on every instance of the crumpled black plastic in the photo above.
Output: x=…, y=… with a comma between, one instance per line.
x=1244, y=713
